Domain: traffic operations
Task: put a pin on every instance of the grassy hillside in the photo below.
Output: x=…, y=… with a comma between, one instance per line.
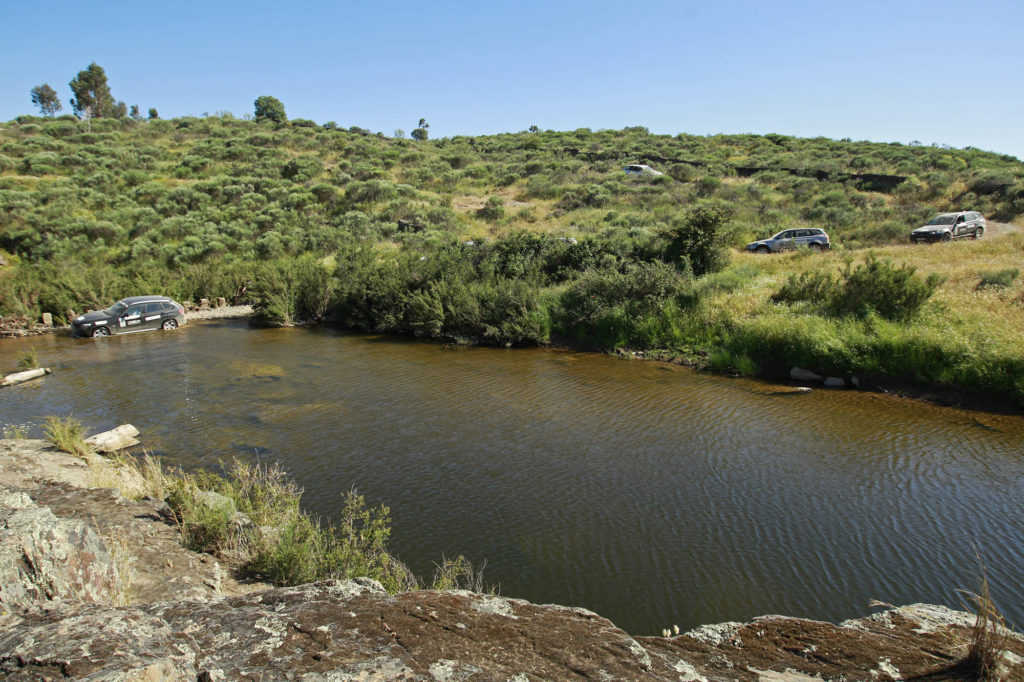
x=532, y=237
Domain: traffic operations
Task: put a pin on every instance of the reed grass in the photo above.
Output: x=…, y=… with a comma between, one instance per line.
x=989, y=634
x=28, y=359
x=67, y=435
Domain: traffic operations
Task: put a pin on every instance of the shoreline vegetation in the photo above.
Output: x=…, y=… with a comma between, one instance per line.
x=251, y=517
x=535, y=238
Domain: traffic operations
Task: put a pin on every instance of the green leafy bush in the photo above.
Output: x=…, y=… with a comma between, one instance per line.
x=895, y=293
x=999, y=279
x=608, y=308
x=873, y=287
x=699, y=241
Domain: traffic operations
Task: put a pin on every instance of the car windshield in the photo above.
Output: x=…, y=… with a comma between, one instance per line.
x=780, y=235
x=117, y=308
x=945, y=219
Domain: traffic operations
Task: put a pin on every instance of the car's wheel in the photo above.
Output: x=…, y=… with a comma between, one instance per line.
x=947, y=236
x=814, y=246
x=100, y=331
x=170, y=324
x=979, y=233
x=762, y=249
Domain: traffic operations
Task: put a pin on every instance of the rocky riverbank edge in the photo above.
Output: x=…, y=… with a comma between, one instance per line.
x=95, y=584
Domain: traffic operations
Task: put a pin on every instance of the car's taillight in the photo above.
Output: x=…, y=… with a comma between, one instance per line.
x=181, y=311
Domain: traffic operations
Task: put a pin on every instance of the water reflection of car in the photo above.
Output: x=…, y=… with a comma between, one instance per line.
x=130, y=315
x=946, y=227
x=813, y=238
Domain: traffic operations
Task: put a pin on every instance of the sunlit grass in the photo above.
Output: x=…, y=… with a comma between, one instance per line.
x=962, y=336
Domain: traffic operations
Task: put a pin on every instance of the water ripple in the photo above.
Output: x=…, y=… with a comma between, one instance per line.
x=648, y=493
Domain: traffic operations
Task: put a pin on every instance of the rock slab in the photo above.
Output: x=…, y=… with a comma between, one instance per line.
x=353, y=630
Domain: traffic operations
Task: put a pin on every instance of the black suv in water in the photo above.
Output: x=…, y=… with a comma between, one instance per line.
x=135, y=314
x=946, y=227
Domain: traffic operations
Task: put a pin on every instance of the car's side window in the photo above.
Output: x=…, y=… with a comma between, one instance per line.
x=134, y=311
x=154, y=308
x=167, y=307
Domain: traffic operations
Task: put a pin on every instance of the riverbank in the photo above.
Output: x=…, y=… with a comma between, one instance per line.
x=771, y=370
x=117, y=595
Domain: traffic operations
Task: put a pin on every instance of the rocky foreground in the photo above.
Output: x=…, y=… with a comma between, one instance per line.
x=94, y=585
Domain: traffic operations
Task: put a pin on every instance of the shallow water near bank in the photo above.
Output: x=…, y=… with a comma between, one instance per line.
x=649, y=493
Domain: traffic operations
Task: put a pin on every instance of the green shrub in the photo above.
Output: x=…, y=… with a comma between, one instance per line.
x=700, y=241
x=997, y=278
x=305, y=550
x=459, y=574
x=493, y=210
x=302, y=168
x=254, y=511
x=895, y=293
x=608, y=308
x=816, y=286
x=587, y=196
x=205, y=518
x=708, y=185
x=275, y=293
x=873, y=287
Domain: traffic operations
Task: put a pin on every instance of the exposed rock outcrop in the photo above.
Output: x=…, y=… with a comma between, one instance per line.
x=65, y=550
x=45, y=560
x=353, y=630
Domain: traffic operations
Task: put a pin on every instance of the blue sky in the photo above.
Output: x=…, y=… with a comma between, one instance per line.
x=942, y=71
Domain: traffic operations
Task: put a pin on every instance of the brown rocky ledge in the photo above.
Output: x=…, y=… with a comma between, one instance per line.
x=95, y=586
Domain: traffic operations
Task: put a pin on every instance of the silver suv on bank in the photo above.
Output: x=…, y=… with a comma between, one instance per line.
x=813, y=238
x=946, y=227
x=129, y=315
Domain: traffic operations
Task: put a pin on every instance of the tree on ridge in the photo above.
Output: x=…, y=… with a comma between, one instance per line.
x=92, y=94
x=269, y=109
x=45, y=97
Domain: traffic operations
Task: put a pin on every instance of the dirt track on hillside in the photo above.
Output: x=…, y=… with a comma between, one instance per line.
x=995, y=229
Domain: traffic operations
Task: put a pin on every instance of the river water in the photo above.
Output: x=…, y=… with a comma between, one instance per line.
x=649, y=493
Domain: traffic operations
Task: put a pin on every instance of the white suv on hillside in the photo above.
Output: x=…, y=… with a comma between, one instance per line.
x=946, y=227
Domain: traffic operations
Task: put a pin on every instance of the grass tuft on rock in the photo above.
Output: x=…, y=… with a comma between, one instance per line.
x=67, y=435
x=989, y=635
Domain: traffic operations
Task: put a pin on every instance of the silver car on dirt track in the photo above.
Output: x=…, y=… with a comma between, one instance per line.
x=813, y=238
x=946, y=227
x=130, y=315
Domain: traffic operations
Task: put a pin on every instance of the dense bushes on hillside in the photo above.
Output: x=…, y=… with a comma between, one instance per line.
x=515, y=238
